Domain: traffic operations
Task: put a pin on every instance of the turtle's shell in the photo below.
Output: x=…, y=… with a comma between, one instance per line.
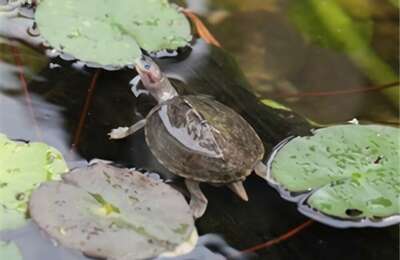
x=201, y=139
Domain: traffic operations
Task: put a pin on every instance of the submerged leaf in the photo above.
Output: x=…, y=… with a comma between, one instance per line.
x=111, y=32
x=23, y=167
x=116, y=213
x=327, y=23
x=353, y=169
x=274, y=104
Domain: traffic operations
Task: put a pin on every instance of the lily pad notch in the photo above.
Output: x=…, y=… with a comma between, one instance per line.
x=112, y=32
x=343, y=176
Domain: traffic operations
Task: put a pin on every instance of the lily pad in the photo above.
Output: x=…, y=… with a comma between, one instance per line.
x=114, y=213
x=23, y=167
x=9, y=251
x=111, y=32
x=346, y=172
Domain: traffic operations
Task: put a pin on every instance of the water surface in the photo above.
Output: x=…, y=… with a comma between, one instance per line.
x=265, y=54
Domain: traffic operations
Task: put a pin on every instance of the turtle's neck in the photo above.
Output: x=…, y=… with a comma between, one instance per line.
x=165, y=91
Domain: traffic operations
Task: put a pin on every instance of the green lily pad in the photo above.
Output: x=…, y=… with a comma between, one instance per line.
x=374, y=194
x=114, y=213
x=23, y=167
x=111, y=32
x=352, y=171
x=9, y=251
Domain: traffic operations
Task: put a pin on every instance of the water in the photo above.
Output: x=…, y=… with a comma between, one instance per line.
x=274, y=56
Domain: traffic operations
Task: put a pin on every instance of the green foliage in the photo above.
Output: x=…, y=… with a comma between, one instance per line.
x=111, y=32
x=395, y=3
x=303, y=14
x=326, y=23
x=354, y=170
x=23, y=168
x=273, y=104
x=371, y=194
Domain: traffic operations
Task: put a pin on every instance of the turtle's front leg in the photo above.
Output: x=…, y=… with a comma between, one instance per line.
x=198, y=202
x=122, y=132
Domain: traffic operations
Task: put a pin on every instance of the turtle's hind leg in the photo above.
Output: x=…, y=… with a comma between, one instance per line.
x=261, y=170
x=238, y=189
x=122, y=132
x=198, y=202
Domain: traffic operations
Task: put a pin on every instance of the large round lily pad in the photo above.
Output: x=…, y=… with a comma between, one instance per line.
x=111, y=32
x=23, y=167
x=115, y=213
x=346, y=172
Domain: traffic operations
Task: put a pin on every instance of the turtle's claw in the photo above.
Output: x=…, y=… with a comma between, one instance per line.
x=118, y=133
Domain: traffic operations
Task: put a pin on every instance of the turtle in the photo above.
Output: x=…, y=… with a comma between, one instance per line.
x=196, y=137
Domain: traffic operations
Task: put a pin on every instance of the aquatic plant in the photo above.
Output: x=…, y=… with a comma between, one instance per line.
x=116, y=213
x=348, y=173
x=23, y=167
x=104, y=33
x=326, y=23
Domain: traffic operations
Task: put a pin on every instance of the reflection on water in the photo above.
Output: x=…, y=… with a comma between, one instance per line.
x=41, y=248
x=276, y=58
x=210, y=247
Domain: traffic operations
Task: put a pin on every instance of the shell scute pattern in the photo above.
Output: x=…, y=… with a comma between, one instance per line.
x=201, y=139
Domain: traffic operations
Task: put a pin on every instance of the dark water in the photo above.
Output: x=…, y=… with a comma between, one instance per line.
x=265, y=55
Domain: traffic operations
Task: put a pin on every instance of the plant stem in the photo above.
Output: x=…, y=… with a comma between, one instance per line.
x=279, y=239
x=342, y=28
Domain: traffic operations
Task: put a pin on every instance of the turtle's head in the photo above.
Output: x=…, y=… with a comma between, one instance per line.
x=154, y=80
x=149, y=73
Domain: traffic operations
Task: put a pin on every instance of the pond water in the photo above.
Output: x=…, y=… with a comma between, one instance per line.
x=272, y=49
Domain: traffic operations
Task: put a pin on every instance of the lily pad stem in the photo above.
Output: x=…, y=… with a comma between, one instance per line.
x=279, y=239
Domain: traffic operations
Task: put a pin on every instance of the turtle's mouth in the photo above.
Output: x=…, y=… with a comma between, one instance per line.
x=153, y=78
x=148, y=76
x=145, y=75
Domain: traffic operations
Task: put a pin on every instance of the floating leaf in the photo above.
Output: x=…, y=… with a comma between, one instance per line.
x=111, y=32
x=374, y=194
x=23, y=167
x=352, y=169
x=9, y=251
x=274, y=104
x=115, y=213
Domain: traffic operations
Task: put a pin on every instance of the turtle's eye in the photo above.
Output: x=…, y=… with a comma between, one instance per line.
x=147, y=66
